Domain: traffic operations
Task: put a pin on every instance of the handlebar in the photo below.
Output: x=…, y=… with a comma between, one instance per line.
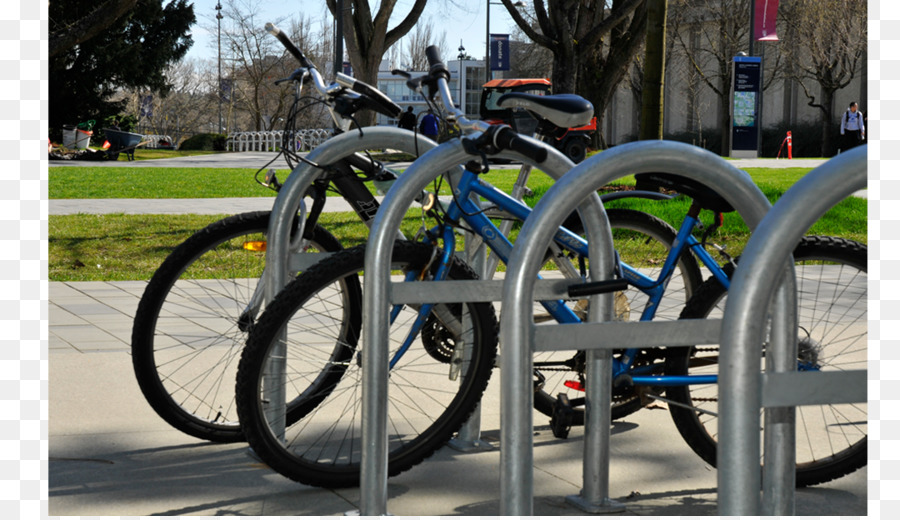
x=367, y=97
x=498, y=137
x=378, y=101
x=289, y=45
x=507, y=139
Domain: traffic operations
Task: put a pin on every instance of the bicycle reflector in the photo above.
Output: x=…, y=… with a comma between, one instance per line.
x=574, y=385
x=255, y=245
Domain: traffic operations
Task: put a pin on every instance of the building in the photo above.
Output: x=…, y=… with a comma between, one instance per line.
x=466, y=79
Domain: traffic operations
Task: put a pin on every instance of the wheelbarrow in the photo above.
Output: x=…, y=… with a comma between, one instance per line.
x=121, y=142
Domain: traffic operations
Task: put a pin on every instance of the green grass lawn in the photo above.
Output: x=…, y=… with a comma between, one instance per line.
x=131, y=247
x=147, y=154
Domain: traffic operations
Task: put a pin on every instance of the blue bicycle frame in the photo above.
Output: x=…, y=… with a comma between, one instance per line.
x=463, y=208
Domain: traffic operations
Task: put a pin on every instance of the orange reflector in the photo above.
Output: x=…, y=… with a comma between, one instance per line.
x=255, y=245
x=574, y=385
x=106, y=145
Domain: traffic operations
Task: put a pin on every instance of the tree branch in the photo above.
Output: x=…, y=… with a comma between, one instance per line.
x=89, y=26
x=616, y=16
x=541, y=39
x=406, y=25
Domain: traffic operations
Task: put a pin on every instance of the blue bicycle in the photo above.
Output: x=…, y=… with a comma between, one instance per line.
x=442, y=354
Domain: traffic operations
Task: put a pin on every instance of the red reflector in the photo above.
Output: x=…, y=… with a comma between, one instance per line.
x=574, y=385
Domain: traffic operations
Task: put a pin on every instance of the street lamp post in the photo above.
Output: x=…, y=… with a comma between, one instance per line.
x=462, y=92
x=219, y=86
x=487, y=38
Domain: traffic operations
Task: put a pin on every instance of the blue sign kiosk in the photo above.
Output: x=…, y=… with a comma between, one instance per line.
x=745, y=107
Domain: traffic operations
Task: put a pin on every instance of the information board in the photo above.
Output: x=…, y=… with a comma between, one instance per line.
x=745, y=107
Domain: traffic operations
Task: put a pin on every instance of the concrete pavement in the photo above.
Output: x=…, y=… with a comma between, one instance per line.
x=111, y=455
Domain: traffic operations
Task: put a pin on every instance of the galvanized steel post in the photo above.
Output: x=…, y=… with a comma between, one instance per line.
x=739, y=377
x=377, y=294
x=517, y=329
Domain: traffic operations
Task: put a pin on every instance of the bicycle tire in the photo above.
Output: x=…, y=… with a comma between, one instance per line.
x=630, y=229
x=185, y=341
x=320, y=313
x=832, y=336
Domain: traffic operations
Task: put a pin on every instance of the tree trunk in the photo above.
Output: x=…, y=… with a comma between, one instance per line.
x=654, y=66
x=564, y=75
x=828, y=129
x=725, y=125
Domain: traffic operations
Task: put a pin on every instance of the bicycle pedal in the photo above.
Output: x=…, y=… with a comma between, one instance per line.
x=562, y=417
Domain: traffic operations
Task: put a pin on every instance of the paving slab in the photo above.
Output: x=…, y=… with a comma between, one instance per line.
x=109, y=454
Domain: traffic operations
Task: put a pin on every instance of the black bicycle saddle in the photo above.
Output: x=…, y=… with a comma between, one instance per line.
x=706, y=196
x=563, y=110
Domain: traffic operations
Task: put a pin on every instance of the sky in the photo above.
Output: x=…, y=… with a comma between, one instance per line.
x=462, y=20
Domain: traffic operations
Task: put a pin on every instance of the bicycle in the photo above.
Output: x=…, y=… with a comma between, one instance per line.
x=832, y=439
x=196, y=311
x=293, y=451
x=198, y=307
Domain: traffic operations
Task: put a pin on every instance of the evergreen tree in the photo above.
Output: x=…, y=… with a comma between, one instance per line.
x=131, y=53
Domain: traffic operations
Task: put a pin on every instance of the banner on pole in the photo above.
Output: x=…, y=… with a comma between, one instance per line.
x=766, y=12
x=499, y=52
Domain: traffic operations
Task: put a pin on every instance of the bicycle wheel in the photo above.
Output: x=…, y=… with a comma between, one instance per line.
x=832, y=314
x=313, y=330
x=643, y=242
x=188, y=329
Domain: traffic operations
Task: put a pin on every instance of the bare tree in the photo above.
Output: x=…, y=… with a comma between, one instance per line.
x=592, y=43
x=528, y=59
x=573, y=31
x=189, y=105
x=257, y=61
x=368, y=37
x=417, y=41
x=830, y=38
x=708, y=34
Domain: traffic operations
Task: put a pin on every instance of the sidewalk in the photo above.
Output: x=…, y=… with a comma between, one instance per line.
x=241, y=205
x=109, y=454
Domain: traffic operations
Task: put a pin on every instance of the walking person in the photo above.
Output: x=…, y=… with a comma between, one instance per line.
x=429, y=126
x=407, y=120
x=853, y=129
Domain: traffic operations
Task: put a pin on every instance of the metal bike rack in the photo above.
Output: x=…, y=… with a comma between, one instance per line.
x=743, y=390
x=520, y=337
x=287, y=203
x=279, y=260
x=379, y=293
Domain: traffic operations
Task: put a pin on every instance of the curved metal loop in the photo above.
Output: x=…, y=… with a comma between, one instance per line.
x=376, y=293
x=517, y=330
x=288, y=201
x=752, y=288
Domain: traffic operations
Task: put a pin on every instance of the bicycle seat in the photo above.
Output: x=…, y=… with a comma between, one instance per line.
x=704, y=195
x=563, y=110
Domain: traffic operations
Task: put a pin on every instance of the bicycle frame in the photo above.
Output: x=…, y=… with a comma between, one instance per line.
x=465, y=209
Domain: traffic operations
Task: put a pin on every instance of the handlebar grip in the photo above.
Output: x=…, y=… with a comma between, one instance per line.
x=433, y=53
x=289, y=45
x=377, y=99
x=603, y=286
x=507, y=138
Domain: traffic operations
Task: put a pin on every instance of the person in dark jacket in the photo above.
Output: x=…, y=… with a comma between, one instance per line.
x=407, y=120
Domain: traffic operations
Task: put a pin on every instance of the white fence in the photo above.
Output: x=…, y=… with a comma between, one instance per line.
x=304, y=140
x=157, y=141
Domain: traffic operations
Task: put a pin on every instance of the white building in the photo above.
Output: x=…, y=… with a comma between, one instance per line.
x=472, y=72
